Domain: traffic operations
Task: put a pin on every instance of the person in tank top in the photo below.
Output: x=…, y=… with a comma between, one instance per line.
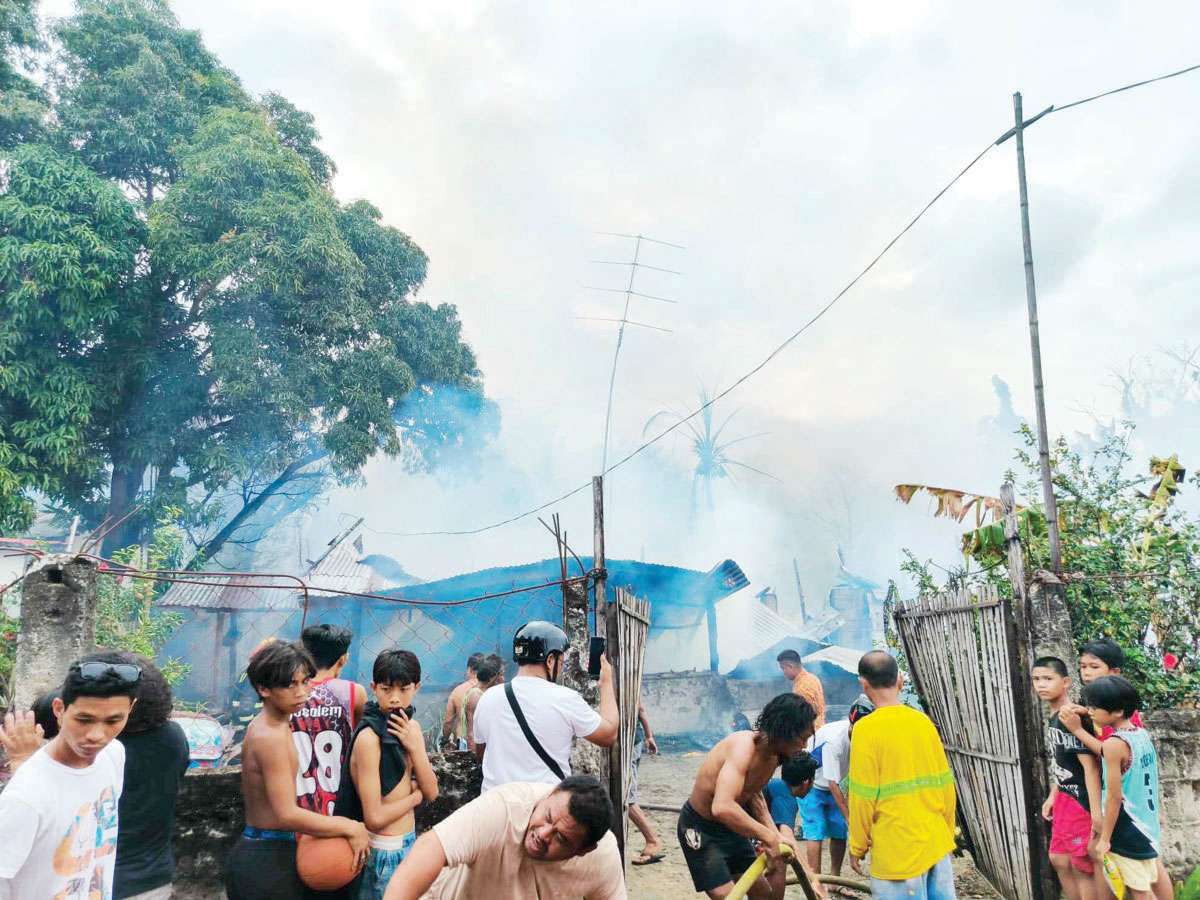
x=322, y=728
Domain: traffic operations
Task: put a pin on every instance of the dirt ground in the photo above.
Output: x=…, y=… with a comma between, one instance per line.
x=666, y=781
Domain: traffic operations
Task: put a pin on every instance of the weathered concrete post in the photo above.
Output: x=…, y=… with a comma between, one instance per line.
x=1049, y=620
x=57, y=625
x=586, y=758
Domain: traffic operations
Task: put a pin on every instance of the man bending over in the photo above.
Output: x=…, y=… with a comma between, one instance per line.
x=727, y=815
x=517, y=841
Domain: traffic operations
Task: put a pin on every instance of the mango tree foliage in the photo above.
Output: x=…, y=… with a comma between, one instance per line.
x=68, y=245
x=245, y=326
x=22, y=101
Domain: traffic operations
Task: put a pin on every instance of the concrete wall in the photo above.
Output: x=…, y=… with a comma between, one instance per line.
x=702, y=704
x=1176, y=734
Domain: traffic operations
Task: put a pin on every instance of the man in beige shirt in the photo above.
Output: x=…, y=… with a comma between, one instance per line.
x=517, y=841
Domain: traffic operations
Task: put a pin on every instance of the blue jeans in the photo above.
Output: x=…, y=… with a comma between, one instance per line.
x=936, y=884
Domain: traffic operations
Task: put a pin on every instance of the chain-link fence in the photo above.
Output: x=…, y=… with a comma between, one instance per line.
x=221, y=619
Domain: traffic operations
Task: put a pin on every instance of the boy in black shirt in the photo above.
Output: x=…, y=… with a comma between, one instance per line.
x=1074, y=805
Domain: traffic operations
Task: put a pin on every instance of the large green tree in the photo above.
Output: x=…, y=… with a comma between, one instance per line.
x=227, y=317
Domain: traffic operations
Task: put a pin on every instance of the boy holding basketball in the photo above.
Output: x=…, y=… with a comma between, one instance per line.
x=387, y=771
x=262, y=865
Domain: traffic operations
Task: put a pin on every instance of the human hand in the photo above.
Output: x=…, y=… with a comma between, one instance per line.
x=606, y=669
x=20, y=736
x=859, y=867
x=356, y=834
x=1048, y=809
x=1069, y=716
x=1102, y=847
x=651, y=746
x=407, y=731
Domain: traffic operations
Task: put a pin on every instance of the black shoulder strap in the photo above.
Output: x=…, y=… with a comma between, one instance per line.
x=533, y=741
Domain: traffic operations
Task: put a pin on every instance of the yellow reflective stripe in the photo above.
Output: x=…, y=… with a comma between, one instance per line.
x=894, y=789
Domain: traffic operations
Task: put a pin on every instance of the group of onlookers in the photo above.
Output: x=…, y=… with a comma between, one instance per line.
x=89, y=816
x=1104, y=802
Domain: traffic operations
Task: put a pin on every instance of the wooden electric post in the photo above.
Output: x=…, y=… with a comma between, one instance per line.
x=1039, y=394
x=607, y=624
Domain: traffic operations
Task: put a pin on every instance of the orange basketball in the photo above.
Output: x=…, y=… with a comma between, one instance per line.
x=324, y=864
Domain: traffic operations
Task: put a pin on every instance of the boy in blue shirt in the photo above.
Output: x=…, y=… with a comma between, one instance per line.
x=782, y=793
x=1129, y=835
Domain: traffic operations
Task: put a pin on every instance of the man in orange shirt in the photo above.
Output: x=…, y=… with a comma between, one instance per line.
x=804, y=683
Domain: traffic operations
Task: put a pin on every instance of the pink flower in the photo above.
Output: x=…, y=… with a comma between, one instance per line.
x=1170, y=661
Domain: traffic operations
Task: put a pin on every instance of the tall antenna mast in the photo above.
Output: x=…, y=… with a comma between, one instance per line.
x=629, y=293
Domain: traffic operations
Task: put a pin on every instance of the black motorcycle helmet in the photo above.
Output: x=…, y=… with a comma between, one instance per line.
x=535, y=641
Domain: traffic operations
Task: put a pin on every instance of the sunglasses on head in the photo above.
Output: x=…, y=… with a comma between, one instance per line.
x=92, y=669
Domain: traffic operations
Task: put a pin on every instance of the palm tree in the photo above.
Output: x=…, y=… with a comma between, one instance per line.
x=712, y=458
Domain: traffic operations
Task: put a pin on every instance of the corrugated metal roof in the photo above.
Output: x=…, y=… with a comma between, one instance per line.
x=232, y=592
x=338, y=570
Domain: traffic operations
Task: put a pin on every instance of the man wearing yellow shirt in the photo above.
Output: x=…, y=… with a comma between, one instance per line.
x=804, y=683
x=901, y=793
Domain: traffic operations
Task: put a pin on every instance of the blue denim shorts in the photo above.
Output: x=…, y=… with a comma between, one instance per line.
x=820, y=817
x=936, y=884
x=387, y=852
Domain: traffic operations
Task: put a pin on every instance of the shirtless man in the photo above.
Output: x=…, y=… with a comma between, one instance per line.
x=726, y=816
x=262, y=865
x=452, y=736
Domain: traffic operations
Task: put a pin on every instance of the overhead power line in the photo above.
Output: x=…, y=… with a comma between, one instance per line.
x=792, y=337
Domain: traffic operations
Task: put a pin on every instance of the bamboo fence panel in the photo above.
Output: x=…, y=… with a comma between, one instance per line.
x=633, y=622
x=960, y=647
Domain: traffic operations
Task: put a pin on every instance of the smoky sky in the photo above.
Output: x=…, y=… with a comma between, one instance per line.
x=782, y=146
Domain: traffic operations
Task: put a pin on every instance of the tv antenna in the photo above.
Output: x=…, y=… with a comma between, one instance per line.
x=634, y=265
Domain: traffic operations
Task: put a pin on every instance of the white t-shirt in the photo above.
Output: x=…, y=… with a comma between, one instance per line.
x=486, y=860
x=833, y=742
x=555, y=714
x=59, y=828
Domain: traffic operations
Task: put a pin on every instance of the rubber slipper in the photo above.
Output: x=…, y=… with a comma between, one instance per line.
x=645, y=860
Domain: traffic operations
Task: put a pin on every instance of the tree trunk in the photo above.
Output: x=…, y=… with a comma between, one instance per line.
x=124, y=486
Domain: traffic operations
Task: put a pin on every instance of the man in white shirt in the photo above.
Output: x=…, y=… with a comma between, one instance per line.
x=515, y=842
x=555, y=714
x=58, y=815
x=824, y=810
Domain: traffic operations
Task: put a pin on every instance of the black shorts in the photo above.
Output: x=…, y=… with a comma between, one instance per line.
x=265, y=869
x=714, y=854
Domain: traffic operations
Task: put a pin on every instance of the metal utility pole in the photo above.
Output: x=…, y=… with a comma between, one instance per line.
x=1039, y=393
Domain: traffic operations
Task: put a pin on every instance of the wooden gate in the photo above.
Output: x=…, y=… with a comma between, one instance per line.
x=633, y=622
x=962, y=652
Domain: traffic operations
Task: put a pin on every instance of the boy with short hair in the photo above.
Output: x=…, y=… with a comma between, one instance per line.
x=1129, y=834
x=1074, y=803
x=58, y=815
x=387, y=772
x=452, y=737
x=488, y=675
x=262, y=863
x=322, y=728
x=794, y=782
